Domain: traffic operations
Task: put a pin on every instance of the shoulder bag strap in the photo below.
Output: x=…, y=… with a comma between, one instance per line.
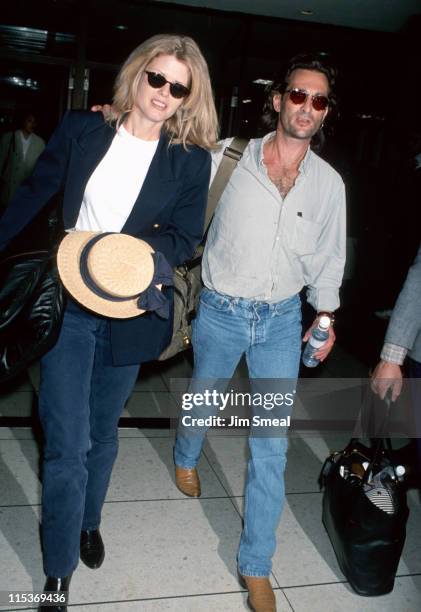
x=230, y=159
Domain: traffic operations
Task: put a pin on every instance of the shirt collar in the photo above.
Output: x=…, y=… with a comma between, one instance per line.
x=305, y=162
x=21, y=134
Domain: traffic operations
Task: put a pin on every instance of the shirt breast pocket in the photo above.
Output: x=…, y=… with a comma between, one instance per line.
x=305, y=237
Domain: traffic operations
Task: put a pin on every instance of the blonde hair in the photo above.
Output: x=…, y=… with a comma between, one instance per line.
x=195, y=121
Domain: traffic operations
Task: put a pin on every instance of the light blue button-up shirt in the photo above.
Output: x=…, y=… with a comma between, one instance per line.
x=265, y=247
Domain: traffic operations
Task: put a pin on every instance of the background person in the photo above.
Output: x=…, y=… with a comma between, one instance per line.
x=403, y=340
x=19, y=152
x=146, y=175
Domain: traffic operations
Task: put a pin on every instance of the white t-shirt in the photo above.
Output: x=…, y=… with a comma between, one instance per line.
x=115, y=184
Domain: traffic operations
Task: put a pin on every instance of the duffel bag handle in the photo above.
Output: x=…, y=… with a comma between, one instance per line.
x=382, y=442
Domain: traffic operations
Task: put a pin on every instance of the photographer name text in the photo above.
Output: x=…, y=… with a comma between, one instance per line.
x=234, y=421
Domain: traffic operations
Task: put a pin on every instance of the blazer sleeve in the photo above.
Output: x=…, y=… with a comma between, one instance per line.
x=46, y=180
x=405, y=323
x=185, y=229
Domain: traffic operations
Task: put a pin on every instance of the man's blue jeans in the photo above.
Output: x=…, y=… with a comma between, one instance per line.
x=270, y=337
x=81, y=398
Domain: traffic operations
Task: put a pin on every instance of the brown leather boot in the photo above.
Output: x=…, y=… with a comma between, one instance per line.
x=261, y=596
x=187, y=481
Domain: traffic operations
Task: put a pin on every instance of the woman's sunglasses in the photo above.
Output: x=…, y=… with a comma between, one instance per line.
x=298, y=96
x=157, y=80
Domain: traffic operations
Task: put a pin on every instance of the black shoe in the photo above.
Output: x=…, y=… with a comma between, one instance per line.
x=92, y=550
x=56, y=588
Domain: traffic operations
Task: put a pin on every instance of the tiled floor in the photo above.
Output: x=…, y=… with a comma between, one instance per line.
x=168, y=552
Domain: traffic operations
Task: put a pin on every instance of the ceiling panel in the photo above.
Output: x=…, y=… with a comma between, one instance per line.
x=384, y=15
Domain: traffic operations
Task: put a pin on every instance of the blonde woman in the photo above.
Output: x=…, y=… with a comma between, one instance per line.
x=145, y=174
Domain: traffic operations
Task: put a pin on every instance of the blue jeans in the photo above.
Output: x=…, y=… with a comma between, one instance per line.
x=81, y=399
x=270, y=337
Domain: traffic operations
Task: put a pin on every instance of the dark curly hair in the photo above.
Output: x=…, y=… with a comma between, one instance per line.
x=304, y=61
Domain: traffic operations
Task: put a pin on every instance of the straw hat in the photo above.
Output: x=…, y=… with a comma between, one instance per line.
x=106, y=272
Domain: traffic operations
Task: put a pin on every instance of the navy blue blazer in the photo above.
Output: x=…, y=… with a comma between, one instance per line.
x=168, y=213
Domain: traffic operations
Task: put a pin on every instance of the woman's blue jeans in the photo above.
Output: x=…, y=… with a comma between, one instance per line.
x=270, y=337
x=81, y=399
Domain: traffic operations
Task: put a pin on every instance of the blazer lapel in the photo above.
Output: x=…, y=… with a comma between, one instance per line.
x=157, y=189
x=92, y=147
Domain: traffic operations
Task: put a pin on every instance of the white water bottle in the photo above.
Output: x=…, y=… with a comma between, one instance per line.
x=318, y=337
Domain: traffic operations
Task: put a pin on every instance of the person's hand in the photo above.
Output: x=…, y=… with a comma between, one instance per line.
x=324, y=350
x=387, y=376
x=105, y=109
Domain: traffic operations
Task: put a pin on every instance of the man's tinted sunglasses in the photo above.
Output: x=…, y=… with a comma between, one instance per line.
x=298, y=96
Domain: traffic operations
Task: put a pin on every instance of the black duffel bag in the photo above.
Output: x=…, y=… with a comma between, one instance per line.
x=31, y=310
x=366, y=525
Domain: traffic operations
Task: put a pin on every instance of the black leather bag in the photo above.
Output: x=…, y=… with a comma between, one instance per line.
x=367, y=540
x=31, y=310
